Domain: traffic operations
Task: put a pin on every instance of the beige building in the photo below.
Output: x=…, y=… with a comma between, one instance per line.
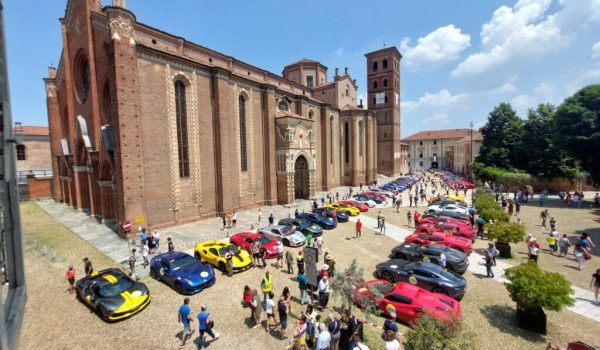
x=463, y=156
x=428, y=149
x=33, y=150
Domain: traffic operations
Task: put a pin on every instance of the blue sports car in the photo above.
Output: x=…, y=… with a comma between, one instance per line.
x=182, y=272
x=325, y=222
x=362, y=197
x=328, y=212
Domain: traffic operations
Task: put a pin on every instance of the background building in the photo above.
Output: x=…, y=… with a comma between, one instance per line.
x=34, y=162
x=428, y=149
x=464, y=154
x=145, y=124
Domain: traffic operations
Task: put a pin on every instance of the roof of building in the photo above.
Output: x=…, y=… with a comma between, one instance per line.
x=438, y=134
x=32, y=130
x=477, y=136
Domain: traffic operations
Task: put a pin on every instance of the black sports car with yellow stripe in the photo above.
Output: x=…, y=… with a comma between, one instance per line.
x=112, y=294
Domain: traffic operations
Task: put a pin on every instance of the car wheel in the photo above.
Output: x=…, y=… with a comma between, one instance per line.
x=439, y=290
x=178, y=288
x=197, y=256
x=401, y=256
x=387, y=276
x=222, y=266
x=286, y=242
x=153, y=274
x=459, y=249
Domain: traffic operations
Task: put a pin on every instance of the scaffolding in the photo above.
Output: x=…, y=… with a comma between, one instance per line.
x=12, y=275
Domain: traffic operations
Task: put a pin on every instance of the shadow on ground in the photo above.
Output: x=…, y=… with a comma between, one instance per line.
x=504, y=318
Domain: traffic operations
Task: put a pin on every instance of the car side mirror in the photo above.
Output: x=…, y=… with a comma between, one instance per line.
x=419, y=309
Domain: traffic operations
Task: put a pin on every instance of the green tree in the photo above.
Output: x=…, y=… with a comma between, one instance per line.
x=577, y=126
x=536, y=152
x=500, y=135
x=343, y=283
x=512, y=180
x=531, y=287
x=430, y=333
x=506, y=232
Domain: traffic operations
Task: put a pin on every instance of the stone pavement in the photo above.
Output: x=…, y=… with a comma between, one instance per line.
x=584, y=299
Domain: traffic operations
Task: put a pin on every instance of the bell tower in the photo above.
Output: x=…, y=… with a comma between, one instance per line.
x=383, y=91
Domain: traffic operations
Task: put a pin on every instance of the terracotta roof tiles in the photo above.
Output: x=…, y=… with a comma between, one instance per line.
x=438, y=134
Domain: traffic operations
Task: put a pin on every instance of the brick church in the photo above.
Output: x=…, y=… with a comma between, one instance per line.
x=145, y=124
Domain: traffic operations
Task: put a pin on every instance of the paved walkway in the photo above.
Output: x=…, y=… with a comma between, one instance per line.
x=584, y=299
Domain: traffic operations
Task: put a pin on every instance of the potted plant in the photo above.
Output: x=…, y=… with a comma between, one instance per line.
x=505, y=233
x=535, y=290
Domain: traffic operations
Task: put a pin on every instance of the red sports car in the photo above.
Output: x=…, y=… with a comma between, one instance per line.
x=407, y=302
x=440, y=220
x=358, y=205
x=376, y=194
x=459, y=243
x=452, y=228
x=245, y=239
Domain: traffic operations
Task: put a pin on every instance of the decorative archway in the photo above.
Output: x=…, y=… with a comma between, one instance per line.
x=301, y=178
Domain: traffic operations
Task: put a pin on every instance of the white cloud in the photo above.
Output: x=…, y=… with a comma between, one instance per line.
x=544, y=92
x=596, y=50
x=438, y=118
x=339, y=51
x=522, y=102
x=441, y=99
x=526, y=31
x=442, y=45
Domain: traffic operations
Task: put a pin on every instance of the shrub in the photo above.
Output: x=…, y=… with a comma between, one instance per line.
x=514, y=180
x=495, y=215
x=506, y=232
x=531, y=287
x=433, y=334
x=485, y=201
x=343, y=283
x=480, y=189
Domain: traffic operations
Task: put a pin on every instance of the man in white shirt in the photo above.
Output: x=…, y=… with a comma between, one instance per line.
x=145, y=252
x=323, y=292
x=443, y=260
x=324, y=339
x=358, y=344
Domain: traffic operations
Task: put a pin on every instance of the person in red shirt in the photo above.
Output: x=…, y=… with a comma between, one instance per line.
x=248, y=294
x=358, y=229
x=71, y=278
x=417, y=217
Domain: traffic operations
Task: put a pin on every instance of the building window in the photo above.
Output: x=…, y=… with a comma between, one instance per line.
x=385, y=64
x=309, y=81
x=347, y=90
x=82, y=76
x=283, y=105
x=21, y=152
x=311, y=115
x=384, y=82
x=385, y=135
x=386, y=99
x=361, y=138
x=182, y=135
x=374, y=84
x=375, y=65
x=331, y=139
x=421, y=163
x=374, y=100
x=435, y=142
x=421, y=155
x=346, y=143
x=420, y=143
x=243, y=145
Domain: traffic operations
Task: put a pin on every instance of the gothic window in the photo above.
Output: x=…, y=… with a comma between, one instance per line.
x=385, y=64
x=311, y=115
x=283, y=105
x=243, y=145
x=361, y=137
x=81, y=72
x=331, y=138
x=21, y=152
x=375, y=65
x=346, y=143
x=107, y=103
x=309, y=81
x=384, y=82
x=182, y=134
x=374, y=84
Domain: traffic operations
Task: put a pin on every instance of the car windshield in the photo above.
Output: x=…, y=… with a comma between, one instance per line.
x=182, y=262
x=263, y=240
x=108, y=290
x=286, y=231
x=319, y=217
x=452, y=276
x=410, y=266
x=224, y=250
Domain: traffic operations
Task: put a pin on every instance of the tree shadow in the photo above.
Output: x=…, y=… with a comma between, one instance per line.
x=504, y=318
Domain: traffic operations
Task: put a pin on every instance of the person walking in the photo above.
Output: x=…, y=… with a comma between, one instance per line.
x=323, y=292
x=552, y=243
x=409, y=218
x=382, y=226
x=267, y=285
x=534, y=249
x=269, y=306
x=544, y=217
x=282, y=310
x=184, y=317
x=358, y=228
x=564, y=245
x=595, y=284
x=517, y=208
x=334, y=329
x=289, y=261
x=379, y=216
x=580, y=255
x=234, y=218
x=256, y=308
x=480, y=222
x=271, y=219
x=488, y=264
x=71, y=278
x=132, y=260
x=417, y=218
x=87, y=267
x=301, y=278
x=145, y=252
x=279, y=248
x=552, y=224
x=229, y=262
x=170, y=246
x=259, y=215
x=493, y=252
x=205, y=325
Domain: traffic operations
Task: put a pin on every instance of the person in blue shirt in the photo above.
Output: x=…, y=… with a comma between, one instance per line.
x=183, y=315
x=205, y=325
x=302, y=286
x=389, y=325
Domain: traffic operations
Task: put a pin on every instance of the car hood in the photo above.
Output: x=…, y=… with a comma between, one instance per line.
x=196, y=273
x=395, y=264
x=455, y=255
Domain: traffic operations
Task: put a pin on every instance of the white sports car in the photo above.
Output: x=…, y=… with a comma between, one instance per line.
x=370, y=203
x=450, y=207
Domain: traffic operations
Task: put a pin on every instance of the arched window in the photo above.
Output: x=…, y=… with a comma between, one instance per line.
x=331, y=138
x=243, y=146
x=283, y=105
x=361, y=138
x=384, y=82
x=374, y=84
x=375, y=65
x=182, y=134
x=385, y=64
x=311, y=115
x=21, y=152
x=346, y=143
x=386, y=100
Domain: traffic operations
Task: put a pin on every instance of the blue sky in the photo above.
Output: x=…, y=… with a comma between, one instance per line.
x=461, y=58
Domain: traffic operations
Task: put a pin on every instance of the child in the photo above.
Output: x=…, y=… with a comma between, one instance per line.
x=552, y=244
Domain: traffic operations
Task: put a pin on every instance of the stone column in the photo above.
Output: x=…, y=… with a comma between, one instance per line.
x=268, y=133
x=354, y=146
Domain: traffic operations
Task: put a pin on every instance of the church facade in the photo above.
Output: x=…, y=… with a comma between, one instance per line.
x=146, y=125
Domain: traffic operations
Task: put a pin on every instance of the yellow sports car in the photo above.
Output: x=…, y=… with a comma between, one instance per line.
x=112, y=294
x=350, y=210
x=213, y=252
x=455, y=198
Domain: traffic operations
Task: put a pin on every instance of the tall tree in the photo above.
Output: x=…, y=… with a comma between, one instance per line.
x=577, y=126
x=536, y=152
x=500, y=135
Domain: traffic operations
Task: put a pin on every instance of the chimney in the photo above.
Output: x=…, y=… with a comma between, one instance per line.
x=360, y=105
x=51, y=72
x=118, y=3
x=354, y=81
x=345, y=70
x=337, y=72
